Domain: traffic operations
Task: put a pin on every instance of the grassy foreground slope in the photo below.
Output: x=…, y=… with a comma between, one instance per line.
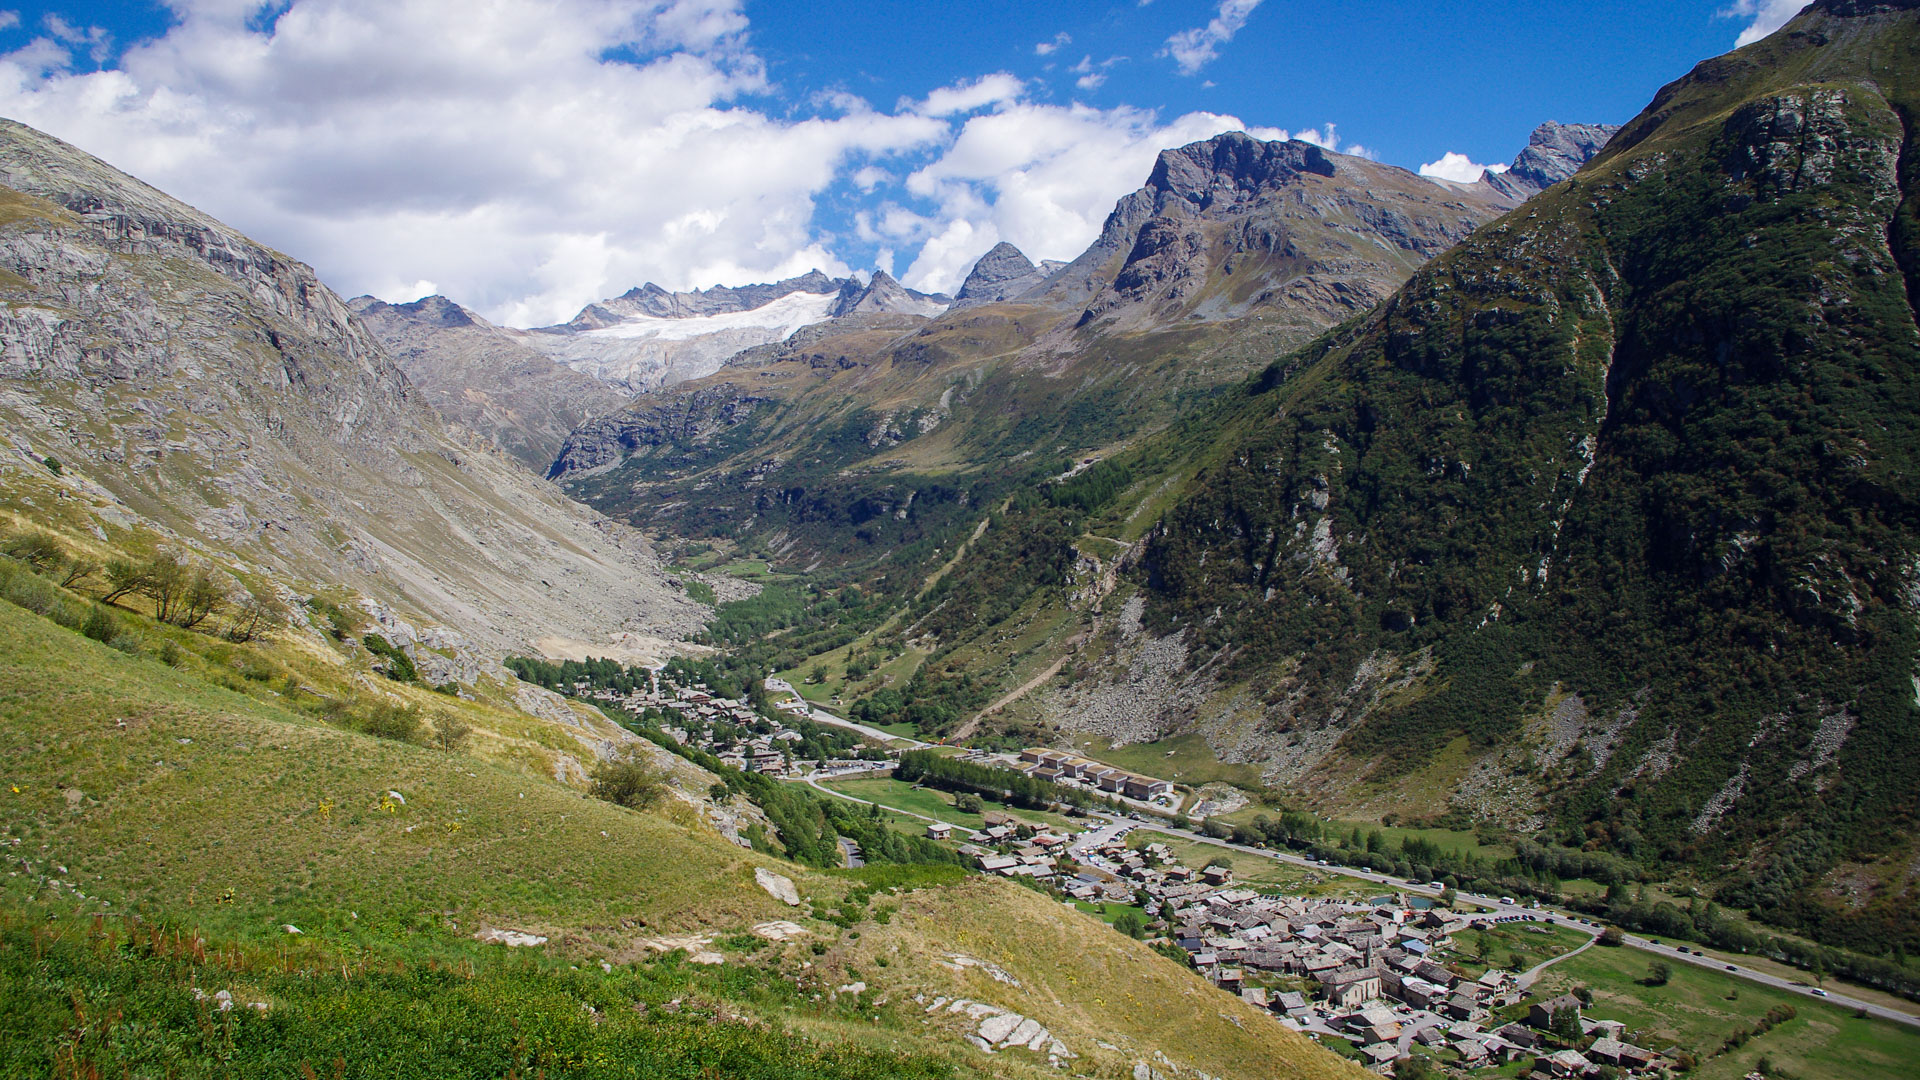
x=163, y=829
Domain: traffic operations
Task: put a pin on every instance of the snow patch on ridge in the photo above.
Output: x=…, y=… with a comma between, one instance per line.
x=785, y=315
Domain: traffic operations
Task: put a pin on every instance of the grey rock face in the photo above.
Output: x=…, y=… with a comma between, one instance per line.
x=1554, y=152
x=211, y=390
x=1004, y=273
x=1234, y=223
x=652, y=423
x=884, y=295
x=484, y=379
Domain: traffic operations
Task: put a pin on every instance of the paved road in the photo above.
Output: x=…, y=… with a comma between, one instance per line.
x=820, y=716
x=1532, y=974
x=1559, y=918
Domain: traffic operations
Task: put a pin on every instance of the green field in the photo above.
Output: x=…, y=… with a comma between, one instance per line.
x=1184, y=759
x=1699, y=1008
x=1474, y=951
x=935, y=803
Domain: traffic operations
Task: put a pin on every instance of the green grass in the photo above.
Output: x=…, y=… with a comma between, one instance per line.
x=1110, y=912
x=933, y=802
x=1694, y=1011
x=1184, y=759
x=80, y=1001
x=158, y=790
x=1534, y=942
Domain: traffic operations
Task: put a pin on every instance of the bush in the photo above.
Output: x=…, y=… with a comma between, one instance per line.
x=1658, y=973
x=35, y=547
x=1611, y=937
x=1132, y=924
x=400, y=723
x=32, y=592
x=256, y=616
x=395, y=665
x=450, y=733
x=101, y=626
x=629, y=783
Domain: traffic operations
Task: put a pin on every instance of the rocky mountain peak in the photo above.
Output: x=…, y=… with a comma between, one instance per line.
x=435, y=311
x=652, y=301
x=885, y=294
x=1553, y=153
x=1001, y=274
x=1234, y=162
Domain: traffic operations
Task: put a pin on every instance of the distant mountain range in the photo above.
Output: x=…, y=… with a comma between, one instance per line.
x=1220, y=228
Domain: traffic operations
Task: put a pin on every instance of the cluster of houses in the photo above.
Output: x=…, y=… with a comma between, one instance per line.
x=1009, y=846
x=1071, y=769
x=1366, y=973
x=728, y=728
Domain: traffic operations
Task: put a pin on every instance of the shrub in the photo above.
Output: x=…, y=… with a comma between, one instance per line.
x=401, y=723
x=256, y=616
x=171, y=653
x=395, y=665
x=101, y=626
x=76, y=570
x=629, y=783
x=1611, y=937
x=35, y=547
x=450, y=732
x=32, y=592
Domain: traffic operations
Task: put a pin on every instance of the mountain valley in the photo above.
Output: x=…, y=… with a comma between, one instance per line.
x=827, y=678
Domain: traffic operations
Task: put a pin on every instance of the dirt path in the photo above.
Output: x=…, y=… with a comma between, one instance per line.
x=966, y=730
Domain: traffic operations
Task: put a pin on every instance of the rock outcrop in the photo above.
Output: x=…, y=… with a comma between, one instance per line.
x=884, y=295
x=1554, y=152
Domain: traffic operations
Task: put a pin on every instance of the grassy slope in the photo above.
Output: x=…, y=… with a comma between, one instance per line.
x=204, y=791
x=1103, y=987
x=262, y=817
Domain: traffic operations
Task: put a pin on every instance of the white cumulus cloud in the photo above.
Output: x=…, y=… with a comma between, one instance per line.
x=1193, y=49
x=527, y=156
x=994, y=89
x=1766, y=15
x=1048, y=48
x=1458, y=168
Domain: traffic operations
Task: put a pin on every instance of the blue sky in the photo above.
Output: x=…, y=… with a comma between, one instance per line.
x=544, y=153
